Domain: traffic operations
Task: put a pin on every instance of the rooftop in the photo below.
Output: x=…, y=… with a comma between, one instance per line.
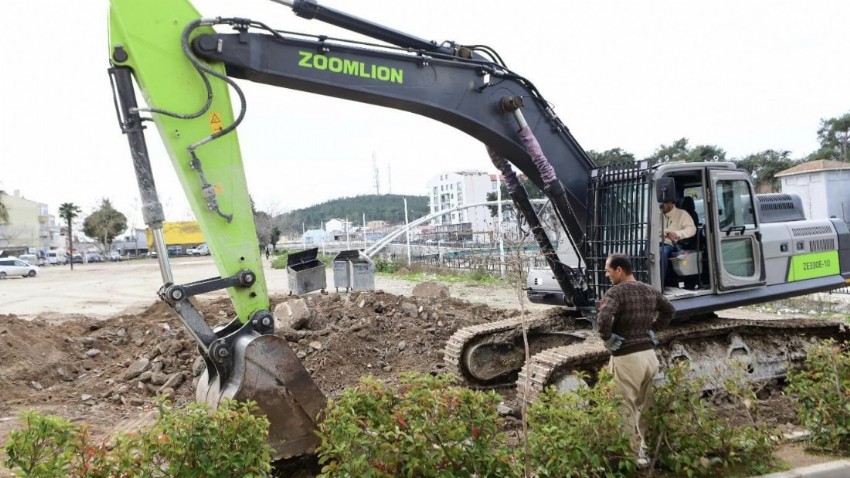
x=813, y=166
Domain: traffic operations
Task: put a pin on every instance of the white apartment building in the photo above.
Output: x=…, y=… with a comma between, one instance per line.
x=450, y=190
x=30, y=226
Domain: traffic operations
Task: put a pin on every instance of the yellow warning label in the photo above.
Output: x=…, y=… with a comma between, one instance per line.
x=215, y=122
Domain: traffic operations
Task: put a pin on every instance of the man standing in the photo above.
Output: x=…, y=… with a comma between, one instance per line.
x=629, y=313
x=676, y=225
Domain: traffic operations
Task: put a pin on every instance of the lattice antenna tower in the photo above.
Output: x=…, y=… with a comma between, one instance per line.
x=377, y=184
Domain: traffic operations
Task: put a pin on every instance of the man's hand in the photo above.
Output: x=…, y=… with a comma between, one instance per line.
x=614, y=342
x=655, y=342
x=672, y=236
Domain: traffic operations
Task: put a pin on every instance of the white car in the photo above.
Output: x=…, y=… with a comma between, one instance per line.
x=12, y=266
x=202, y=250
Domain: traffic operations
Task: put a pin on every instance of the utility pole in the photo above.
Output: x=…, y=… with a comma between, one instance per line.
x=347, y=237
x=499, y=226
x=407, y=227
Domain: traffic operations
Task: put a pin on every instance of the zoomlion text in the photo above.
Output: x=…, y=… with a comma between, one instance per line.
x=350, y=67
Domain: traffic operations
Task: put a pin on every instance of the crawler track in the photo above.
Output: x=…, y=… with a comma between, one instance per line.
x=493, y=355
x=765, y=347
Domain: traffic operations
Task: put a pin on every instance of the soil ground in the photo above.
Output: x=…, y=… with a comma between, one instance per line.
x=69, y=340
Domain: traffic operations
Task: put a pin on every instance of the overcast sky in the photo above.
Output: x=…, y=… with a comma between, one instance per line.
x=743, y=75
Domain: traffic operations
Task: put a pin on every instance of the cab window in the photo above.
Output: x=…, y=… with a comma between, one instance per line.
x=735, y=205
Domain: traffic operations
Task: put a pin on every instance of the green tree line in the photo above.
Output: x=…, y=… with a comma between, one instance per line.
x=385, y=207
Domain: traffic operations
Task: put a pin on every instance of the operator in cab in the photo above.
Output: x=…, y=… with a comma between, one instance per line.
x=676, y=225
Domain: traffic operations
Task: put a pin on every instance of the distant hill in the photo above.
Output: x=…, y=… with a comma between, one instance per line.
x=384, y=207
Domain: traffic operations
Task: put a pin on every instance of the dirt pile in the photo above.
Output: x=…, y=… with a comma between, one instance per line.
x=80, y=366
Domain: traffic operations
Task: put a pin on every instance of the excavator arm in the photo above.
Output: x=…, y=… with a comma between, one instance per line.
x=185, y=69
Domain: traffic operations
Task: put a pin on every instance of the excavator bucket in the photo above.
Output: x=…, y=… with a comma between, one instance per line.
x=267, y=371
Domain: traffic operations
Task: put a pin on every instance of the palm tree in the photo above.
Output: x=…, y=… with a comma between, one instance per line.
x=68, y=211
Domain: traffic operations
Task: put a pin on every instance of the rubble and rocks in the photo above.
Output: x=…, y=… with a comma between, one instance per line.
x=130, y=359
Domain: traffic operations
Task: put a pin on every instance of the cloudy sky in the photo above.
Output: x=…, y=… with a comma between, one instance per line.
x=746, y=76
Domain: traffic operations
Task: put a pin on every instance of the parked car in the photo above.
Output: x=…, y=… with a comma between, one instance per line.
x=201, y=250
x=12, y=266
x=94, y=257
x=152, y=254
x=56, y=258
x=77, y=259
x=115, y=257
x=30, y=259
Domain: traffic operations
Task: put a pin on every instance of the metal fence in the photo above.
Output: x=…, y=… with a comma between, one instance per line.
x=487, y=262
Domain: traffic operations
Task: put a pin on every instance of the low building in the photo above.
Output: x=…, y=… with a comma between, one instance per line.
x=314, y=237
x=179, y=236
x=823, y=187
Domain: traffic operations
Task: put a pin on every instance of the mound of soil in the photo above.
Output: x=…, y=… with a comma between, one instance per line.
x=107, y=369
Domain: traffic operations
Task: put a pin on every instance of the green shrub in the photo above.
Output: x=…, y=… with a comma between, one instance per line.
x=822, y=396
x=191, y=442
x=386, y=265
x=690, y=437
x=43, y=447
x=424, y=427
x=578, y=433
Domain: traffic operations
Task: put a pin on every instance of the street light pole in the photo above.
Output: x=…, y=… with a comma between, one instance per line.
x=407, y=228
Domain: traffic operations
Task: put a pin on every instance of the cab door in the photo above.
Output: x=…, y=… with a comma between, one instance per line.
x=735, y=232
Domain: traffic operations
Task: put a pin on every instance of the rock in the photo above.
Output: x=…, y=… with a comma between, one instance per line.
x=316, y=345
x=87, y=341
x=292, y=313
x=137, y=402
x=198, y=366
x=402, y=345
x=158, y=378
x=410, y=309
x=157, y=366
x=36, y=386
x=166, y=392
x=288, y=333
x=431, y=289
x=121, y=332
x=64, y=374
x=136, y=368
x=85, y=397
x=301, y=354
x=146, y=376
x=504, y=410
x=93, y=352
x=174, y=381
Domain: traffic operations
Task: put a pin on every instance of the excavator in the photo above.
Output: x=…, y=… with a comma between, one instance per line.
x=749, y=248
